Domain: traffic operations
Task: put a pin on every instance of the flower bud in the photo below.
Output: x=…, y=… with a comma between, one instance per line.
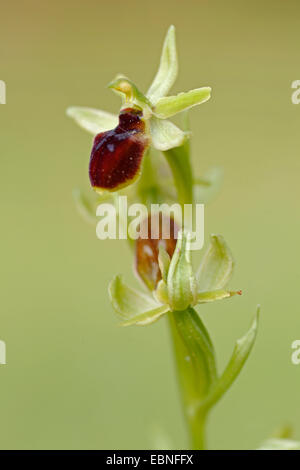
x=181, y=282
x=147, y=249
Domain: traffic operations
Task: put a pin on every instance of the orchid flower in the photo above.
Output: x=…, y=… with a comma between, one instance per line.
x=121, y=141
x=164, y=266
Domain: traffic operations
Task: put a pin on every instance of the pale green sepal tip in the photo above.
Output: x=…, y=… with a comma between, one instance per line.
x=211, y=296
x=148, y=317
x=93, y=120
x=171, y=105
x=167, y=72
x=129, y=302
x=165, y=135
x=217, y=265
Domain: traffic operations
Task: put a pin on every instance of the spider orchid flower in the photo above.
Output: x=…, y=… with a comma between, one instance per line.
x=121, y=141
x=164, y=266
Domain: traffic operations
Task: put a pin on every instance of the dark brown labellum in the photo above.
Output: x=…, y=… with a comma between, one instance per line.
x=146, y=250
x=117, y=154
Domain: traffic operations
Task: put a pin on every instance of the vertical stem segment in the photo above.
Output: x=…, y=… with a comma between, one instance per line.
x=182, y=174
x=196, y=369
x=198, y=436
x=194, y=353
x=179, y=160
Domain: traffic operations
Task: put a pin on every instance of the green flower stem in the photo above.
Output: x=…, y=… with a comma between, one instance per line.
x=196, y=369
x=179, y=162
x=194, y=374
x=197, y=426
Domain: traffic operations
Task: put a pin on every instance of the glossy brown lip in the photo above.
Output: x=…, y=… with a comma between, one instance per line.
x=117, y=154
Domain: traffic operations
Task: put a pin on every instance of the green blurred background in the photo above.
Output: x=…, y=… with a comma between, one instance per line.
x=73, y=379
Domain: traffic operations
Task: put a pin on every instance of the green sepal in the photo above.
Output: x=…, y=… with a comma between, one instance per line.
x=93, y=120
x=133, y=306
x=211, y=296
x=216, y=267
x=165, y=135
x=148, y=317
x=167, y=72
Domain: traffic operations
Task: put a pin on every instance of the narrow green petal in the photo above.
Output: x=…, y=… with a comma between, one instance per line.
x=93, y=120
x=211, y=296
x=129, y=302
x=165, y=135
x=167, y=71
x=216, y=267
x=171, y=105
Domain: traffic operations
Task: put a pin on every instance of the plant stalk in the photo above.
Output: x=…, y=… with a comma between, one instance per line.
x=195, y=370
